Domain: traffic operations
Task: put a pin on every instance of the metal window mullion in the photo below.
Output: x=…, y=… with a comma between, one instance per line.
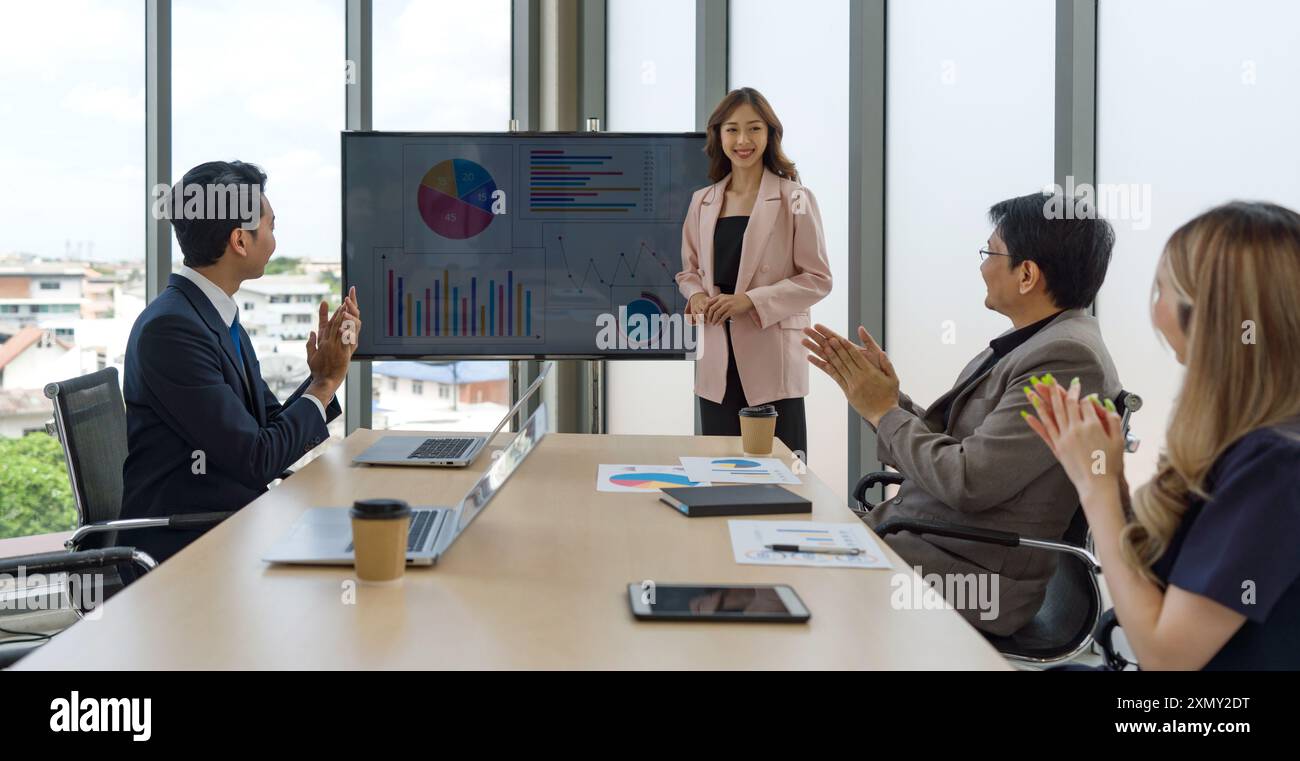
x=712, y=38
x=867, y=102
x=359, y=115
x=158, y=141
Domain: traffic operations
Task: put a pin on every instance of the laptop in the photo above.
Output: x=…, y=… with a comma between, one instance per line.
x=441, y=451
x=323, y=535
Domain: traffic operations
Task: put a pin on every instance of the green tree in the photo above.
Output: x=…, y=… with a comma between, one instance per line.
x=284, y=265
x=35, y=496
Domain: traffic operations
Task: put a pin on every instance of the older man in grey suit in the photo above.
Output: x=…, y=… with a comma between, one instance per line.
x=970, y=458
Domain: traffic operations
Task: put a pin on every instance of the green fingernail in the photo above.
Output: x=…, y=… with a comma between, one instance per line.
x=1050, y=380
x=1074, y=381
x=1094, y=398
x=1034, y=400
x=1108, y=404
x=1024, y=414
x=1028, y=391
x=1034, y=381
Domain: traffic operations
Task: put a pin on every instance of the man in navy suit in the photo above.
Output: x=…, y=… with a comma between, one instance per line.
x=204, y=432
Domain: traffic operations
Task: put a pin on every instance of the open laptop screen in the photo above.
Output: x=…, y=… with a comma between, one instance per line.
x=505, y=463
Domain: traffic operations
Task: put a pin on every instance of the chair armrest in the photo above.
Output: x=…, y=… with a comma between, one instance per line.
x=189, y=521
x=985, y=536
x=71, y=562
x=870, y=480
x=938, y=528
x=182, y=521
x=1104, y=635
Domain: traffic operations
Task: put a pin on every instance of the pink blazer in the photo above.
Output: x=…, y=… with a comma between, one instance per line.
x=783, y=269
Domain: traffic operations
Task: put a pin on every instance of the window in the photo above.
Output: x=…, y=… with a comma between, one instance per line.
x=272, y=97
x=417, y=388
x=441, y=65
x=807, y=91
x=651, y=83
x=1196, y=107
x=72, y=107
x=969, y=122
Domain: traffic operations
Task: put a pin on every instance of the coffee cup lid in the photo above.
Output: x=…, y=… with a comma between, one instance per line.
x=763, y=410
x=380, y=509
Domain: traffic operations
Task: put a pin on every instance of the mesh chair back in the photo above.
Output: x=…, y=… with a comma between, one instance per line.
x=90, y=417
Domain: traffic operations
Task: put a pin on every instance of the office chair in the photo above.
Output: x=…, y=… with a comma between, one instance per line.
x=1064, y=625
x=90, y=423
x=64, y=573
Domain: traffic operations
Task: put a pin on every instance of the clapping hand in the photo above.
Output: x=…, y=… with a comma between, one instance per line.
x=1085, y=434
x=331, y=345
x=864, y=373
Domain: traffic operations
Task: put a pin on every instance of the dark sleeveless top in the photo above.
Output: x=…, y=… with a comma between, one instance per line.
x=727, y=239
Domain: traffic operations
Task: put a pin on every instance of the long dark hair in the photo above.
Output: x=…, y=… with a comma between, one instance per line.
x=774, y=159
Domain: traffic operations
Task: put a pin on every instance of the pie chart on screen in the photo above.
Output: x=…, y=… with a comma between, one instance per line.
x=455, y=198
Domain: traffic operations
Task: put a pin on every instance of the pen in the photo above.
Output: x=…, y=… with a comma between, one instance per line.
x=814, y=550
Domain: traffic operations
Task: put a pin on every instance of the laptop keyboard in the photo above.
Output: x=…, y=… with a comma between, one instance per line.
x=421, y=525
x=422, y=522
x=439, y=449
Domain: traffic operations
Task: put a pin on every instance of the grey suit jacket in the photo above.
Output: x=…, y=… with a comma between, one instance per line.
x=988, y=469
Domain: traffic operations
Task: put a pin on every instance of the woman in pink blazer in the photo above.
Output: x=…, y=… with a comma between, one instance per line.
x=753, y=263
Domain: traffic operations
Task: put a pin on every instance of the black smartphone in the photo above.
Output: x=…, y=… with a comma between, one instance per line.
x=716, y=602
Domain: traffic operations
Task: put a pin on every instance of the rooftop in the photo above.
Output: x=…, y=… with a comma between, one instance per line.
x=285, y=284
x=22, y=341
x=442, y=372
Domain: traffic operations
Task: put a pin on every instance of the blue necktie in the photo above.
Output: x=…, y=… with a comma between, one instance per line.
x=234, y=337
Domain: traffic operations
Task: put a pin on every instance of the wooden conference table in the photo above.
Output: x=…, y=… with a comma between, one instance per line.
x=538, y=581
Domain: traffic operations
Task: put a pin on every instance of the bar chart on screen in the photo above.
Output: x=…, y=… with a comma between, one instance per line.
x=441, y=302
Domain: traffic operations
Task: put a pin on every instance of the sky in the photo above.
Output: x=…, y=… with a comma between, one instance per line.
x=261, y=82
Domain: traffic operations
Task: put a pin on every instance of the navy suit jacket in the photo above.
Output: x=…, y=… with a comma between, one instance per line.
x=185, y=396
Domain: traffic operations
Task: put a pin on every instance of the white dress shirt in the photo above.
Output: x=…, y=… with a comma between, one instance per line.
x=228, y=310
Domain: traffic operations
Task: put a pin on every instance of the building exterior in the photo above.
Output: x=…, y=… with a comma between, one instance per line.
x=441, y=395
x=277, y=309
x=31, y=358
x=49, y=296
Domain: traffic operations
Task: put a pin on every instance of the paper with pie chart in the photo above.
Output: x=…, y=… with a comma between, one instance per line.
x=750, y=540
x=641, y=478
x=739, y=470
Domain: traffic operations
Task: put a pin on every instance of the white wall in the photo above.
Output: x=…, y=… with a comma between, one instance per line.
x=798, y=57
x=969, y=123
x=1200, y=100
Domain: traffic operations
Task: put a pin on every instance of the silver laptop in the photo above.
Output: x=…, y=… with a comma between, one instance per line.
x=323, y=535
x=441, y=451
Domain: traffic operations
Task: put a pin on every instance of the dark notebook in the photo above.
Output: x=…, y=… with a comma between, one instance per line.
x=740, y=499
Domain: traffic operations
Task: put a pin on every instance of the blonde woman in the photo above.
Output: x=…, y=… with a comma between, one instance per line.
x=1203, y=565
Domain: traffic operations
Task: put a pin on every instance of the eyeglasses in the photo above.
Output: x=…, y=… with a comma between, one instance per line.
x=985, y=254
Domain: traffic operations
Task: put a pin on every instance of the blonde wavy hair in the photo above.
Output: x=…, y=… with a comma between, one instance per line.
x=1236, y=273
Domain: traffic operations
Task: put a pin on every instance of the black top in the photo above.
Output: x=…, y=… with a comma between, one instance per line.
x=1001, y=346
x=1239, y=548
x=728, y=237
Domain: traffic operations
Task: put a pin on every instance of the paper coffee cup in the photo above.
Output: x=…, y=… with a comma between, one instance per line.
x=758, y=429
x=379, y=534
